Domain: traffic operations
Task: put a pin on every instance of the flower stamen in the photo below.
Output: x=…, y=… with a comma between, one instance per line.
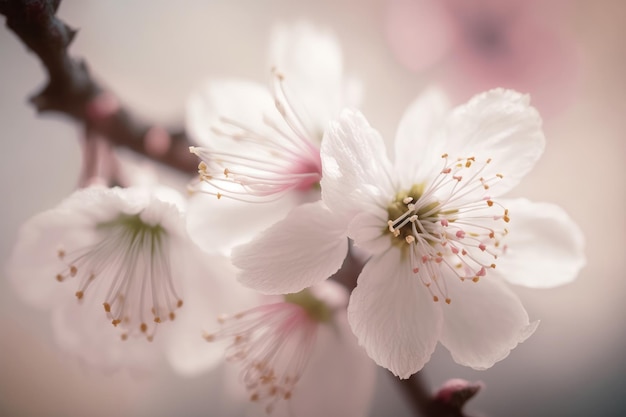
x=136, y=254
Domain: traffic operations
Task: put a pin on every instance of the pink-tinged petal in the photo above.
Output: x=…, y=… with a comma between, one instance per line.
x=393, y=315
x=483, y=322
x=498, y=126
x=418, y=145
x=243, y=101
x=337, y=362
x=370, y=231
x=305, y=248
x=545, y=248
x=357, y=174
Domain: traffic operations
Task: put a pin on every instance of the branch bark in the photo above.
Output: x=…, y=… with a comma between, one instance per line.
x=73, y=92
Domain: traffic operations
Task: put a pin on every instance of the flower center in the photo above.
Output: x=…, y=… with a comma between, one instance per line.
x=134, y=257
x=273, y=343
x=261, y=166
x=449, y=227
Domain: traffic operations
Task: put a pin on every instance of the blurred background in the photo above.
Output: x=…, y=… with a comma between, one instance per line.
x=569, y=55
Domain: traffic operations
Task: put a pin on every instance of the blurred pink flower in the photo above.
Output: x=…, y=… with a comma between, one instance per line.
x=483, y=44
x=296, y=355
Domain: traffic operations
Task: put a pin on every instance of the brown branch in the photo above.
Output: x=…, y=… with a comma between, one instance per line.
x=72, y=91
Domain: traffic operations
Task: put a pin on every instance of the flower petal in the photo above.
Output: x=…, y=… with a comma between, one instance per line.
x=307, y=247
x=416, y=144
x=356, y=171
x=545, y=248
x=483, y=322
x=500, y=126
x=82, y=330
x=243, y=101
x=369, y=231
x=219, y=225
x=211, y=289
x=35, y=262
x=337, y=362
x=310, y=58
x=393, y=315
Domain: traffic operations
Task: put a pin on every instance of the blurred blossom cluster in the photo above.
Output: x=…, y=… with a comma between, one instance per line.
x=240, y=264
x=483, y=44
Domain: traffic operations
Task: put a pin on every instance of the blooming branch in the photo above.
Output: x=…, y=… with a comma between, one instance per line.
x=71, y=90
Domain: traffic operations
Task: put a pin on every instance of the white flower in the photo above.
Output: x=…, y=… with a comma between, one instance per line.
x=262, y=145
x=441, y=240
x=296, y=354
x=112, y=266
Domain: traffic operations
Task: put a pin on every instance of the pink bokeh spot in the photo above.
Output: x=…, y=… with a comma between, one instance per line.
x=483, y=44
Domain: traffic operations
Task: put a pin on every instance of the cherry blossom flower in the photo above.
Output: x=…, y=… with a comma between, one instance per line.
x=113, y=267
x=478, y=45
x=442, y=241
x=261, y=145
x=296, y=354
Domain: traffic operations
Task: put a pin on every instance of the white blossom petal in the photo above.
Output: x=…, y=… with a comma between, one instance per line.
x=211, y=290
x=83, y=331
x=311, y=60
x=356, y=172
x=243, y=101
x=305, y=248
x=545, y=248
x=393, y=315
x=483, y=322
x=418, y=143
x=219, y=225
x=500, y=126
x=366, y=231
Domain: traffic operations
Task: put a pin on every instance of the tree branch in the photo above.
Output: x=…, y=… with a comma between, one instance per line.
x=72, y=91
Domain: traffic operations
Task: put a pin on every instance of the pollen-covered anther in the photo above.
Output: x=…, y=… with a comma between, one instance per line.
x=475, y=279
x=435, y=298
x=448, y=300
x=59, y=277
x=79, y=295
